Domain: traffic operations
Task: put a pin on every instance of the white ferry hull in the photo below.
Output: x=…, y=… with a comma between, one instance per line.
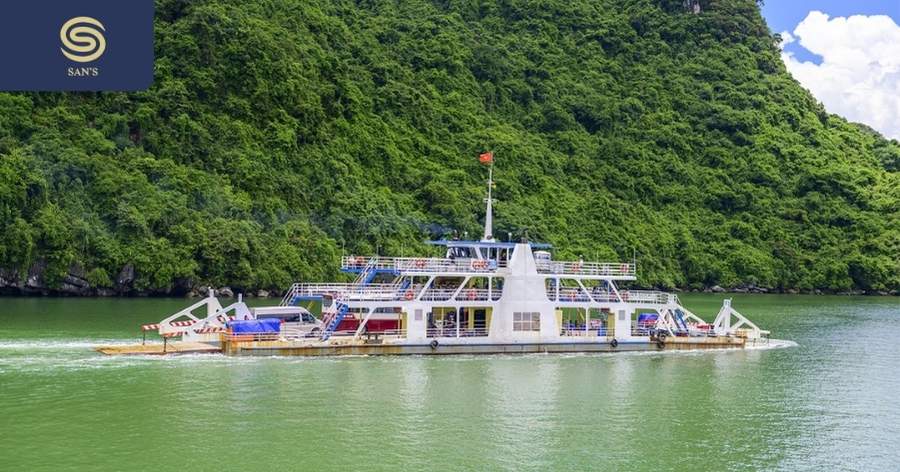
x=288, y=348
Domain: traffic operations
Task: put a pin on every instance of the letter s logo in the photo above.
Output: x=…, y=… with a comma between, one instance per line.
x=82, y=39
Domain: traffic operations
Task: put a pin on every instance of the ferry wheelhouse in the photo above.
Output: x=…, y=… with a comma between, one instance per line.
x=481, y=296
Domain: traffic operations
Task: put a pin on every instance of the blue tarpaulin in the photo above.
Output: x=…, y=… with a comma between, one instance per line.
x=269, y=325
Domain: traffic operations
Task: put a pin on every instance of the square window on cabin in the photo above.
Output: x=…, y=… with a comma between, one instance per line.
x=526, y=321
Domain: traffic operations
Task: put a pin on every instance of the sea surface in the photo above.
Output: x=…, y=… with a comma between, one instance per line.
x=828, y=400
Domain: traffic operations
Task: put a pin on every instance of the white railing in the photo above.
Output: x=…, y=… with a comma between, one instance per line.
x=389, y=333
x=438, y=294
x=389, y=292
x=348, y=290
x=602, y=269
x=397, y=333
x=580, y=331
x=421, y=264
x=647, y=296
x=252, y=337
x=361, y=262
x=569, y=294
x=466, y=294
x=345, y=291
x=452, y=333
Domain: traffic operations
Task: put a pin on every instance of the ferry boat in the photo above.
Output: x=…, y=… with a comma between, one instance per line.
x=482, y=297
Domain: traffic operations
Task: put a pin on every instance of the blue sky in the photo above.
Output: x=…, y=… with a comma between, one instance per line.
x=846, y=53
x=785, y=15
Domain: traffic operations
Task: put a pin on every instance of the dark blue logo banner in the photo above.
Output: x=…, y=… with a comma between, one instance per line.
x=76, y=44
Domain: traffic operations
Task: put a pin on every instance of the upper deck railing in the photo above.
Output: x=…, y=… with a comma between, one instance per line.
x=420, y=264
x=467, y=265
x=391, y=292
x=588, y=269
x=372, y=292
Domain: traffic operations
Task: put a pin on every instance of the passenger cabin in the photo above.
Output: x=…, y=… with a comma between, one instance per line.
x=496, y=253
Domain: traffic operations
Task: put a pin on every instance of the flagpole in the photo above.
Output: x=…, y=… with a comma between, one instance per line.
x=490, y=177
x=489, y=214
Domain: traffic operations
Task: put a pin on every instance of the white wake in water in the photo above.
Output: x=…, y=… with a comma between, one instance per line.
x=775, y=344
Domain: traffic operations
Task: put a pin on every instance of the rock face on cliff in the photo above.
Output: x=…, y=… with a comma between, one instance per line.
x=75, y=283
x=278, y=135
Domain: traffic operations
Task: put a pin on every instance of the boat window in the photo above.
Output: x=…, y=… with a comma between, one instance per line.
x=460, y=252
x=388, y=309
x=526, y=321
x=286, y=317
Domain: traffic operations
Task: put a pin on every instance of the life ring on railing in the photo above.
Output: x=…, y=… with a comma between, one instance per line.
x=434, y=344
x=624, y=295
x=409, y=295
x=479, y=264
x=614, y=343
x=624, y=269
x=420, y=263
x=470, y=294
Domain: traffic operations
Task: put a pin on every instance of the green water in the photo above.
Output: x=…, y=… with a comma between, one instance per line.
x=828, y=403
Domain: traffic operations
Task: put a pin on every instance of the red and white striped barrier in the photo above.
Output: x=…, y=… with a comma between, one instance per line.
x=185, y=323
x=155, y=326
x=209, y=330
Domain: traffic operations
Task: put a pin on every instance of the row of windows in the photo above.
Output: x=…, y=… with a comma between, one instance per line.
x=526, y=321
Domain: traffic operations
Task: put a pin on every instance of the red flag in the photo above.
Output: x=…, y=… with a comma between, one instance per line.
x=486, y=158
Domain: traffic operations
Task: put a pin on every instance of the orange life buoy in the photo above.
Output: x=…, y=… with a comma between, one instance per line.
x=420, y=263
x=470, y=294
x=479, y=264
x=624, y=268
x=409, y=295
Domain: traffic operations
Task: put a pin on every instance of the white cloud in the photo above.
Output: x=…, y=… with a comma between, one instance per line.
x=859, y=75
x=786, y=38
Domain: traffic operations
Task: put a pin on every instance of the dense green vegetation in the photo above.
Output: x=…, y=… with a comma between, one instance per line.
x=281, y=133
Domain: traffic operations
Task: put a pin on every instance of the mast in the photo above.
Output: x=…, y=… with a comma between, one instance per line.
x=489, y=214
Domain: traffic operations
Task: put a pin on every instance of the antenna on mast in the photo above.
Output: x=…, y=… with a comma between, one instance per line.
x=488, y=158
